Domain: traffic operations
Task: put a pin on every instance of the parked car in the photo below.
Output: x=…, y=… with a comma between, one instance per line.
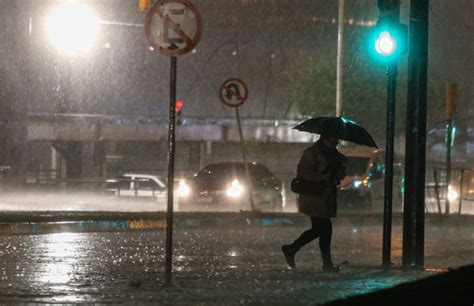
x=363, y=185
x=224, y=186
x=136, y=185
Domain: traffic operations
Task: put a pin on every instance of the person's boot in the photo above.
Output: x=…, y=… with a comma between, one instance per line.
x=289, y=251
x=328, y=266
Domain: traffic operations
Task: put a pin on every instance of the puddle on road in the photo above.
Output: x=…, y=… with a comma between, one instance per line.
x=78, y=226
x=26, y=228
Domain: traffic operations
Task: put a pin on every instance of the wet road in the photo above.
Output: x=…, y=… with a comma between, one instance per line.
x=224, y=265
x=57, y=200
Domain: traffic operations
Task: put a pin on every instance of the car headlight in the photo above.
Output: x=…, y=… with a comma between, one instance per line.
x=183, y=189
x=452, y=194
x=235, y=189
x=357, y=184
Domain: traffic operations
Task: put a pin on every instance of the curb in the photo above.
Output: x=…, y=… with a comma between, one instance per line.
x=78, y=222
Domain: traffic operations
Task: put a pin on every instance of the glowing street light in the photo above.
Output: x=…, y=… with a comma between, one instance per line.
x=72, y=28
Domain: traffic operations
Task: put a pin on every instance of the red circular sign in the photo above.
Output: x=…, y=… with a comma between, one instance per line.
x=178, y=28
x=233, y=92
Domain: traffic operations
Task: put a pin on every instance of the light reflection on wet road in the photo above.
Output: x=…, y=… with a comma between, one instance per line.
x=28, y=200
x=224, y=265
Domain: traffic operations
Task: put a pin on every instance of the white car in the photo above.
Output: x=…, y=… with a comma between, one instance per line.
x=137, y=185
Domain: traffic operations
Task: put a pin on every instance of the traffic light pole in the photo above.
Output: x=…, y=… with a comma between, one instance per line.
x=449, y=140
x=171, y=159
x=392, y=72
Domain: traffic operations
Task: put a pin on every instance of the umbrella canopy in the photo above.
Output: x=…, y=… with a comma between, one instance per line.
x=339, y=127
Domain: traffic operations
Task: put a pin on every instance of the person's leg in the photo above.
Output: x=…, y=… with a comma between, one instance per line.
x=306, y=237
x=325, y=229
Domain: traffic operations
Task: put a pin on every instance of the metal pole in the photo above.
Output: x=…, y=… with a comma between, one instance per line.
x=449, y=129
x=340, y=59
x=171, y=155
x=450, y=107
x=461, y=191
x=413, y=216
x=244, y=156
x=435, y=173
x=415, y=157
x=422, y=16
x=389, y=145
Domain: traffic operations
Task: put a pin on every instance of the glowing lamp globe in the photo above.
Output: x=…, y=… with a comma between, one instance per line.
x=72, y=28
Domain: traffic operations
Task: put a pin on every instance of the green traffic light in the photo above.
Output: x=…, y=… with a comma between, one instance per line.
x=386, y=44
x=388, y=41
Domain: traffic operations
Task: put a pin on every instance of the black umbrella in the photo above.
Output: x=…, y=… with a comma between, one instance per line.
x=339, y=127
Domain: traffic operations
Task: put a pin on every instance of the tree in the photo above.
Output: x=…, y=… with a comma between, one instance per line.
x=364, y=96
x=313, y=85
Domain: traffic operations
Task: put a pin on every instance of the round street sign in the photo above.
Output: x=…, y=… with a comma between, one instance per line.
x=233, y=92
x=173, y=27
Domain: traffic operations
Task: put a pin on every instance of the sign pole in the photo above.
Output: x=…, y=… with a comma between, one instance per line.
x=171, y=159
x=450, y=108
x=177, y=31
x=449, y=129
x=244, y=155
x=234, y=93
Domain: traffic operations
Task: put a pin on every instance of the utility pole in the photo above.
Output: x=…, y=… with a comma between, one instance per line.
x=340, y=60
x=17, y=123
x=415, y=154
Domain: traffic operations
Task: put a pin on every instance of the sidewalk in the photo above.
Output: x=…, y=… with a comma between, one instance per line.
x=224, y=263
x=451, y=288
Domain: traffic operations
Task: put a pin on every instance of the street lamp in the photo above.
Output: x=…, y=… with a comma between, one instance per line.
x=72, y=28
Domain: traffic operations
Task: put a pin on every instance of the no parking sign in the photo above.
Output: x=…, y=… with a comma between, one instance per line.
x=173, y=27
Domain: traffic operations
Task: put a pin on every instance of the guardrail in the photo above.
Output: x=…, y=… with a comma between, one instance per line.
x=43, y=177
x=461, y=186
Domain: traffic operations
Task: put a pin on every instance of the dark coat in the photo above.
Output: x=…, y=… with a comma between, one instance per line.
x=314, y=166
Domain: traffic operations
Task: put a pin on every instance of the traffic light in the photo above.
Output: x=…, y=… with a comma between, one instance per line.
x=388, y=40
x=389, y=7
x=144, y=5
x=178, y=108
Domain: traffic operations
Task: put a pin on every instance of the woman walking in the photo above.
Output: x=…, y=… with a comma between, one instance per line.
x=322, y=166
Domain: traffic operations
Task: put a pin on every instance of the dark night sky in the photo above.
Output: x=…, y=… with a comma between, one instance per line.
x=267, y=37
